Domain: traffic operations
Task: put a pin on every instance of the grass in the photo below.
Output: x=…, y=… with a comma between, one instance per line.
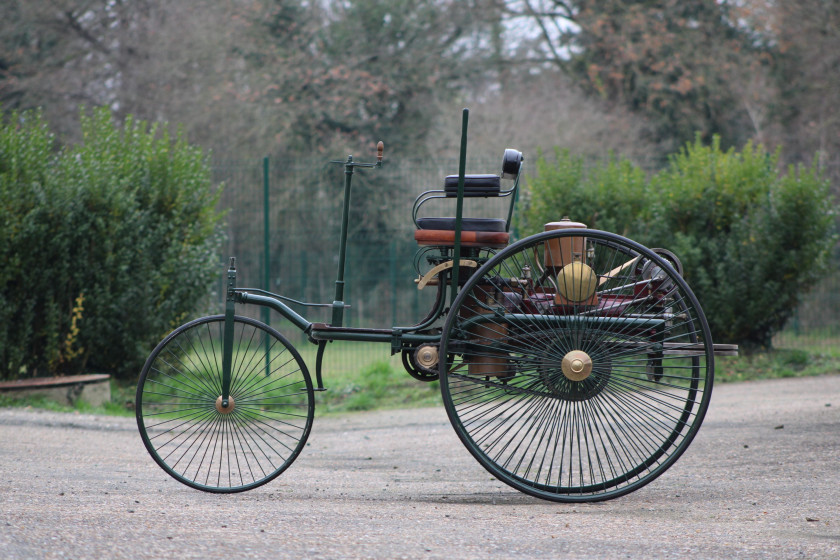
x=360, y=376
x=121, y=403
x=357, y=376
x=378, y=385
x=364, y=376
x=817, y=353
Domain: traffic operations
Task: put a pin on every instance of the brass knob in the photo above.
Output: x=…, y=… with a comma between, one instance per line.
x=221, y=408
x=576, y=365
x=577, y=282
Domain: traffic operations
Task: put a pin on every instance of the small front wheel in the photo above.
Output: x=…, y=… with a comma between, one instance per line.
x=202, y=443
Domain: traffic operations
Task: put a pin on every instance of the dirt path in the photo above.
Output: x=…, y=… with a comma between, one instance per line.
x=762, y=480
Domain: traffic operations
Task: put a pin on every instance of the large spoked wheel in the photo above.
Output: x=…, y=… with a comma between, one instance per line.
x=197, y=440
x=580, y=368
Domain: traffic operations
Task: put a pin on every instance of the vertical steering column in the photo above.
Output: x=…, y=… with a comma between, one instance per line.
x=349, y=165
x=338, y=301
x=227, y=348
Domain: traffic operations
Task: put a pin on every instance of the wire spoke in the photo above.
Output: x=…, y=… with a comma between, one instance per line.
x=192, y=437
x=581, y=430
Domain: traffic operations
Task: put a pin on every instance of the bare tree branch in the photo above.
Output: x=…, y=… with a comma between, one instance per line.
x=73, y=23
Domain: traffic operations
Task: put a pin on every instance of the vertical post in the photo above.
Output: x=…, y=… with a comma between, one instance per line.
x=227, y=340
x=266, y=312
x=459, y=208
x=338, y=302
x=266, y=237
x=392, y=268
x=304, y=264
x=303, y=283
x=415, y=310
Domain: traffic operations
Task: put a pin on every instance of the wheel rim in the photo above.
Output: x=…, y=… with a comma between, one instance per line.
x=577, y=398
x=191, y=434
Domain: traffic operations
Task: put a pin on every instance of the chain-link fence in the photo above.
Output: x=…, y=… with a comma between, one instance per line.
x=300, y=204
x=815, y=326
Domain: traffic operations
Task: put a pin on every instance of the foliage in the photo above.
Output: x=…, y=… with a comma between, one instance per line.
x=370, y=69
x=296, y=77
x=671, y=61
x=806, y=67
x=106, y=245
x=754, y=69
x=608, y=196
x=752, y=240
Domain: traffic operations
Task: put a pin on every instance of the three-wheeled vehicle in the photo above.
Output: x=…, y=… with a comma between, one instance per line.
x=575, y=364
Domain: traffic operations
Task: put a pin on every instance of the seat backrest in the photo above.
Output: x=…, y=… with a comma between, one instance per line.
x=484, y=185
x=479, y=186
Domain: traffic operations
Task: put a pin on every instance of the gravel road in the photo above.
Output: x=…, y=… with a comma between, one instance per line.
x=762, y=480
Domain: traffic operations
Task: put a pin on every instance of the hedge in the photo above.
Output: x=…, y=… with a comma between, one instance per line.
x=752, y=238
x=107, y=245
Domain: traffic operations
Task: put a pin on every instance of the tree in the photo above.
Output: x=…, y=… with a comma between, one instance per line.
x=67, y=53
x=670, y=60
x=161, y=61
x=534, y=112
x=356, y=72
x=808, y=70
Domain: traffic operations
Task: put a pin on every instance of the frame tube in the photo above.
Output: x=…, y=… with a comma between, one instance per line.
x=277, y=305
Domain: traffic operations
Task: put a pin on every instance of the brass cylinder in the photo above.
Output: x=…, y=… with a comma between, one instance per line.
x=565, y=250
x=488, y=364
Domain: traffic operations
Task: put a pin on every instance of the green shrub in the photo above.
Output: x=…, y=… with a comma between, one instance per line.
x=610, y=196
x=752, y=240
x=107, y=245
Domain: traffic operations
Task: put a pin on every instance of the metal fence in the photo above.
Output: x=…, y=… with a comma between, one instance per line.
x=815, y=326
x=283, y=222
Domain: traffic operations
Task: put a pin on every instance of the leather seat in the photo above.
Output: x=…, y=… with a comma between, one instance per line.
x=467, y=224
x=475, y=232
x=445, y=238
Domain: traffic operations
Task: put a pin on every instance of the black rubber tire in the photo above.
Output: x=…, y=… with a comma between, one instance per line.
x=191, y=438
x=545, y=433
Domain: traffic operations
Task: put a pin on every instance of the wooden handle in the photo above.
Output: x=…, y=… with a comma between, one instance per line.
x=616, y=270
x=380, y=148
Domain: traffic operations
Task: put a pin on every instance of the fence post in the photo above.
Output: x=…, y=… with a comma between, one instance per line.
x=392, y=266
x=266, y=312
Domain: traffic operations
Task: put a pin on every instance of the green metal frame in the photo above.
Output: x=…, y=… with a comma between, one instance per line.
x=227, y=350
x=398, y=337
x=459, y=208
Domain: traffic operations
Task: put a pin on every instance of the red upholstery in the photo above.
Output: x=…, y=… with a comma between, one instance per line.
x=446, y=238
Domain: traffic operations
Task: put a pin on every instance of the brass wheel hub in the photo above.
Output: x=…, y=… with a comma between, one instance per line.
x=222, y=410
x=427, y=357
x=576, y=365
